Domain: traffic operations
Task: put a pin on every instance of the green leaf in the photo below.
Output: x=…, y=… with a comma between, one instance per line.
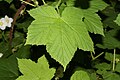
x=118, y=20
x=61, y=35
x=93, y=76
x=109, y=56
x=8, y=69
x=93, y=22
x=96, y=5
x=111, y=40
x=9, y=1
x=70, y=2
x=80, y=75
x=103, y=66
x=35, y=71
x=18, y=39
x=108, y=75
x=117, y=67
x=111, y=76
x=91, y=19
x=109, y=21
x=23, y=52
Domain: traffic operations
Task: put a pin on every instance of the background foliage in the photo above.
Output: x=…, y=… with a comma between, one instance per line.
x=61, y=40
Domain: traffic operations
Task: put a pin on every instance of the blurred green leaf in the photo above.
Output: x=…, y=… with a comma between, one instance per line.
x=80, y=75
x=9, y=1
x=24, y=25
x=118, y=19
x=8, y=69
x=111, y=15
x=93, y=76
x=103, y=66
x=23, y=52
x=109, y=56
x=111, y=76
x=117, y=67
x=18, y=39
x=111, y=40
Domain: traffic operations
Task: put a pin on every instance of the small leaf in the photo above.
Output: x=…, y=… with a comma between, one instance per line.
x=109, y=56
x=109, y=21
x=117, y=67
x=96, y=5
x=118, y=20
x=93, y=76
x=111, y=39
x=35, y=71
x=103, y=66
x=111, y=76
x=80, y=75
x=9, y=1
x=70, y=2
x=8, y=69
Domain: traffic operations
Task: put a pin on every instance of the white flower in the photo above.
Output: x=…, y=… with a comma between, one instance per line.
x=8, y=21
x=3, y=24
x=1, y=55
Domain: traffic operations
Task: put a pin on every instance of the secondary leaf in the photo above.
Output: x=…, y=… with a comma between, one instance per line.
x=111, y=16
x=109, y=56
x=80, y=75
x=8, y=69
x=96, y=5
x=117, y=67
x=103, y=66
x=61, y=34
x=9, y=1
x=35, y=71
x=118, y=20
x=111, y=40
x=110, y=76
x=70, y=2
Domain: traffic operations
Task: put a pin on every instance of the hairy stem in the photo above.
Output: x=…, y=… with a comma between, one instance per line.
x=14, y=20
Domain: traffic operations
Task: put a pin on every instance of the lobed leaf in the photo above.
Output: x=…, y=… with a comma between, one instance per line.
x=62, y=35
x=35, y=71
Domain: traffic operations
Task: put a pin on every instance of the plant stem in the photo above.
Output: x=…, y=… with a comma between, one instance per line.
x=97, y=56
x=44, y=2
x=14, y=20
x=58, y=4
x=28, y=3
x=92, y=55
x=114, y=60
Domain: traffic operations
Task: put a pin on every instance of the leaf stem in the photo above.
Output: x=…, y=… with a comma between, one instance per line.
x=93, y=58
x=114, y=59
x=28, y=3
x=58, y=4
x=44, y=2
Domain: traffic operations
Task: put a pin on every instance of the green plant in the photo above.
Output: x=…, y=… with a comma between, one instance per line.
x=60, y=40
